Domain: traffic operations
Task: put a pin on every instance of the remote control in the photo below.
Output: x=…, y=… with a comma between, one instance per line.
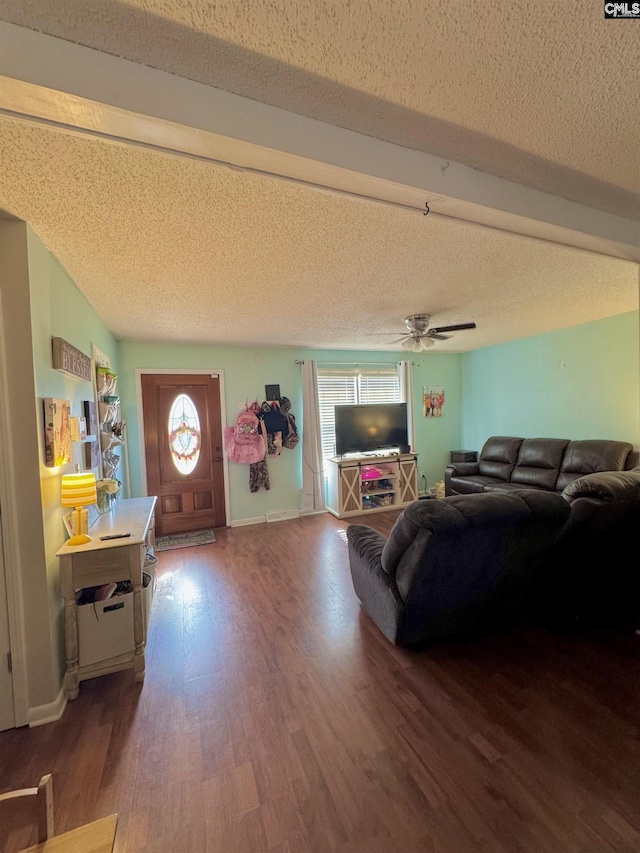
x=115, y=536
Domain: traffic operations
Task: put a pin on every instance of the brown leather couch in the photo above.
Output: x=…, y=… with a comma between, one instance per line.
x=454, y=566
x=472, y=562
x=508, y=463
x=591, y=574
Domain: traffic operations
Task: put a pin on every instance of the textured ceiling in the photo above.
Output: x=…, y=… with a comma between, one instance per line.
x=172, y=250
x=543, y=93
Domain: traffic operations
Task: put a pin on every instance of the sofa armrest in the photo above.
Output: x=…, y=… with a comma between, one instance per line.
x=376, y=589
x=367, y=544
x=462, y=469
x=458, y=469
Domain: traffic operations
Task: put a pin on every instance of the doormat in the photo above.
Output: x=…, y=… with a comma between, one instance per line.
x=185, y=540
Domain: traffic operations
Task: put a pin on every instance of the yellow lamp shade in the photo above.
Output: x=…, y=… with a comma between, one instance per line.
x=78, y=489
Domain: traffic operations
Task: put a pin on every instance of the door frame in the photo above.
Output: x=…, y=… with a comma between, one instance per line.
x=11, y=551
x=223, y=420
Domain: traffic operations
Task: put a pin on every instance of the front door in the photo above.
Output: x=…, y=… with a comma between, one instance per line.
x=7, y=716
x=183, y=450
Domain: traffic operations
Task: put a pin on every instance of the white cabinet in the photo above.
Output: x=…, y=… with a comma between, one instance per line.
x=362, y=484
x=120, y=641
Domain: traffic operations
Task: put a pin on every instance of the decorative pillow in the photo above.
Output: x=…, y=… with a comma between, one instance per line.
x=606, y=486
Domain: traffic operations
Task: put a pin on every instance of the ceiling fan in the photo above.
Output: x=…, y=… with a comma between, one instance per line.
x=420, y=337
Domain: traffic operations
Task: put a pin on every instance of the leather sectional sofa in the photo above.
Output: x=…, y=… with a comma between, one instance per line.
x=472, y=562
x=508, y=463
x=454, y=565
x=592, y=575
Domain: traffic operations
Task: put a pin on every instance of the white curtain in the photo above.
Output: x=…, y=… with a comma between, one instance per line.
x=312, y=464
x=406, y=396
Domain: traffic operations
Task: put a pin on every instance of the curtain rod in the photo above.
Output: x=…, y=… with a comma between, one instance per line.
x=356, y=363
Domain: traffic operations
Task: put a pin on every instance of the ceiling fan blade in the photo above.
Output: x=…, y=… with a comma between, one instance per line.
x=399, y=340
x=455, y=328
x=438, y=337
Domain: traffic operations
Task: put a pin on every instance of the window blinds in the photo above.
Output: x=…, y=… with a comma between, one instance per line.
x=351, y=386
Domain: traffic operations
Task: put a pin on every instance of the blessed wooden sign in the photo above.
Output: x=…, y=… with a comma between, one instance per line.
x=70, y=360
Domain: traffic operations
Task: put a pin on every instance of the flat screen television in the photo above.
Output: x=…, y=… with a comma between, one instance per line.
x=370, y=427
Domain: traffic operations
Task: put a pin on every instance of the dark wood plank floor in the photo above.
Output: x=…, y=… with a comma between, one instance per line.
x=275, y=717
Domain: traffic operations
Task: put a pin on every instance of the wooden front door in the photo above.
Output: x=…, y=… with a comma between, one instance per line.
x=183, y=450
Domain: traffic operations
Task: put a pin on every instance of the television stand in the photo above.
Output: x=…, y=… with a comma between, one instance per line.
x=359, y=485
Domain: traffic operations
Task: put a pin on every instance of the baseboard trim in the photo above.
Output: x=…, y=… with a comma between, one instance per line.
x=283, y=515
x=43, y=714
x=243, y=522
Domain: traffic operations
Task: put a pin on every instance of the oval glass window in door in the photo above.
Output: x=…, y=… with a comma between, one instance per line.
x=184, y=434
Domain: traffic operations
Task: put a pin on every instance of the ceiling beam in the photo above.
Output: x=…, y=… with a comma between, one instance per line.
x=74, y=89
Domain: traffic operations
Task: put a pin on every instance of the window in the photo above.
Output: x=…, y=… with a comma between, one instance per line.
x=342, y=386
x=184, y=434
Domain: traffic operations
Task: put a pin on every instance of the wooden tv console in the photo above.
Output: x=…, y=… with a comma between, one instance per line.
x=349, y=494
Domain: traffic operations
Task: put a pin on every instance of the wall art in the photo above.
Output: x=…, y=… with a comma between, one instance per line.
x=433, y=401
x=57, y=432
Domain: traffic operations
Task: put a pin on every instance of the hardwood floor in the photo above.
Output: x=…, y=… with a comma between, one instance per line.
x=275, y=717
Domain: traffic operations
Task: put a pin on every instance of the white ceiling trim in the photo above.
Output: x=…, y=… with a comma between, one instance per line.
x=80, y=90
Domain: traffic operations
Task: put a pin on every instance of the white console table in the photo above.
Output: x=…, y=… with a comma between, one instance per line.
x=99, y=562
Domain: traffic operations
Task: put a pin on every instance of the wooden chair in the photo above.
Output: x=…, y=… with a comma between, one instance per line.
x=27, y=807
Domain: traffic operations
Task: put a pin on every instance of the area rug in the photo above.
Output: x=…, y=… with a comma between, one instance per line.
x=185, y=540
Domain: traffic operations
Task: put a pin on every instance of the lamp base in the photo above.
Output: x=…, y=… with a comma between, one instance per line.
x=78, y=539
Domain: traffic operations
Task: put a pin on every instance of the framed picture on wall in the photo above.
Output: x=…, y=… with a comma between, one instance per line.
x=57, y=432
x=433, y=401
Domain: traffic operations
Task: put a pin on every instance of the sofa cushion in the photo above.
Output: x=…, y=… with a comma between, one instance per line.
x=591, y=456
x=500, y=486
x=539, y=462
x=471, y=485
x=499, y=456
x=605, y=486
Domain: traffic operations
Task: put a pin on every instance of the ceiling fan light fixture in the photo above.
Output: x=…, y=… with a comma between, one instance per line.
x=421, y=337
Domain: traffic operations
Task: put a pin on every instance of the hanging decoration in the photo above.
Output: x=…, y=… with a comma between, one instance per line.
x=184, y=434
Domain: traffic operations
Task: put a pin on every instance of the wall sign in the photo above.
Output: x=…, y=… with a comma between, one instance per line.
x=70, y=360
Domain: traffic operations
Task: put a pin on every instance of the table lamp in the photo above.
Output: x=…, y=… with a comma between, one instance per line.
x=79, y=490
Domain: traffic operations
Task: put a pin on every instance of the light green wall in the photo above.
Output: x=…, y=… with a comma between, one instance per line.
x=247, y=370
x=58, y=309
x=577, y=383
x=436, y=437
x=581, y=382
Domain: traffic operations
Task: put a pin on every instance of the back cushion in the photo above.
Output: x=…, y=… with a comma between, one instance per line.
x=499, y=456
x=590, y=457
x=539, y=462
